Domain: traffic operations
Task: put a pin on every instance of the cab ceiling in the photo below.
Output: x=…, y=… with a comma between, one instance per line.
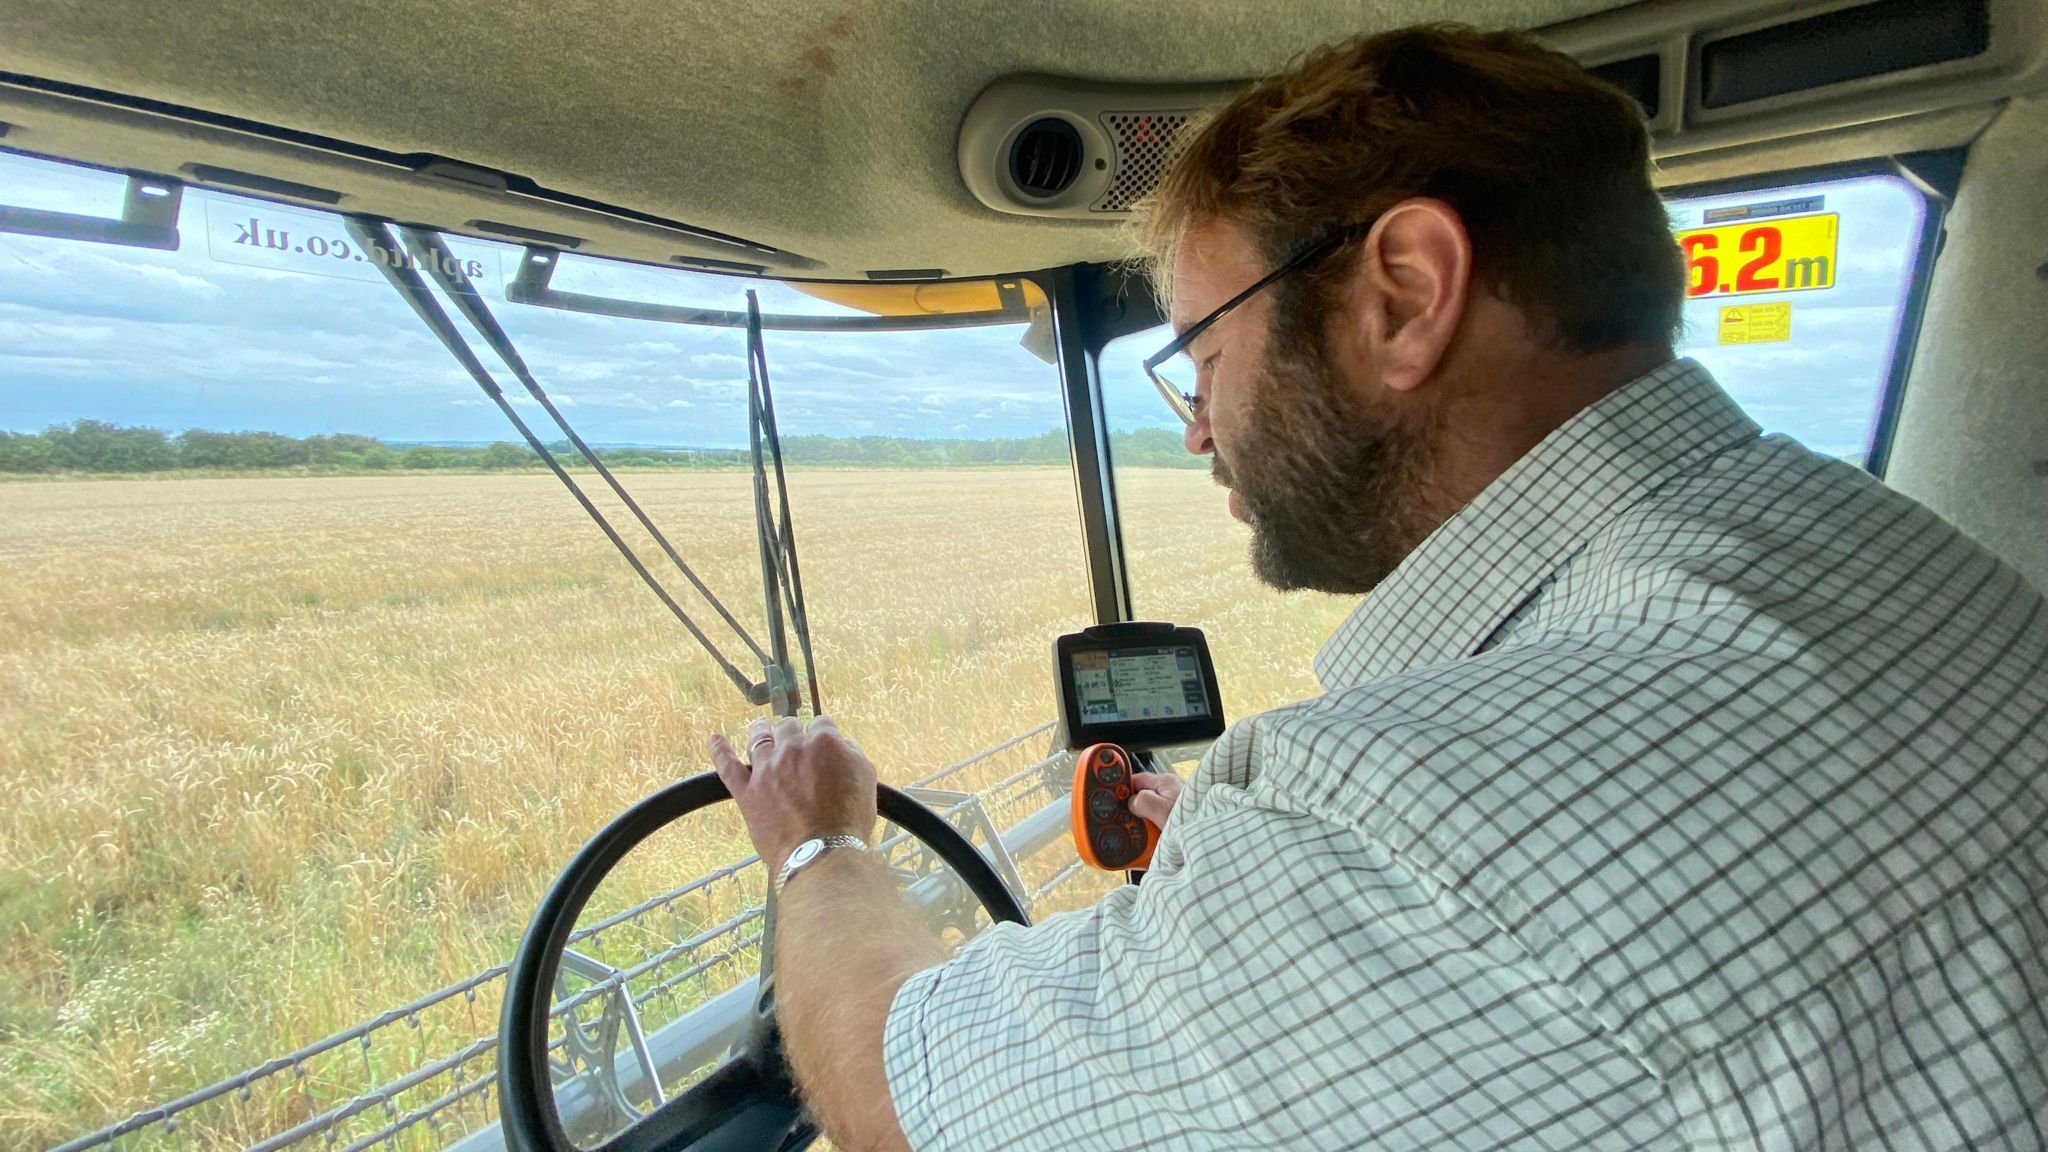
x=824, y=130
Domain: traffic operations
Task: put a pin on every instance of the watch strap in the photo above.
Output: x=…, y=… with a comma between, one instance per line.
x=799, y=860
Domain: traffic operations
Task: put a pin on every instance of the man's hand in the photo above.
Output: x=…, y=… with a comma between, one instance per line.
x=1156, y=792
x=844, y=939
x=797, y=783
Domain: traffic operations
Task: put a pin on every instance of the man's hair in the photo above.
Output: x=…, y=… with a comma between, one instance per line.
x=1547, y=166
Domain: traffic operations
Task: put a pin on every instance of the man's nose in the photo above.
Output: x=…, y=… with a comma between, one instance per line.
x=1197, y=440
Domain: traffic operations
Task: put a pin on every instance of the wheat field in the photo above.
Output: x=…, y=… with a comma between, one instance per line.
x=279, y=754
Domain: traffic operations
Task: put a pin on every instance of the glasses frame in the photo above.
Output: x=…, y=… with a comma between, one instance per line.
x=1184, y=404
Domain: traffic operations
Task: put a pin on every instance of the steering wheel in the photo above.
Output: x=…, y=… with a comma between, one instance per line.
x=748, y=1104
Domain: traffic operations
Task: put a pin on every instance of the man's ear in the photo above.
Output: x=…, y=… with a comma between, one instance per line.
x=1415, y=273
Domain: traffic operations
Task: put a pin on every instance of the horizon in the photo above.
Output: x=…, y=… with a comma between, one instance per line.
x=88, y=447
x=512, y=437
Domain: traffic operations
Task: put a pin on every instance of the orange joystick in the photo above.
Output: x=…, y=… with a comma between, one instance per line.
x=1107, y=833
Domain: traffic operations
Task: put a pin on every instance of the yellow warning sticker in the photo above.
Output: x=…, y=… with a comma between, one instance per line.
x=1756, y=323
x=1789, y=255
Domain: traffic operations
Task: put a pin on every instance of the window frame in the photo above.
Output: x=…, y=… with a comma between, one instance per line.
x=1092, y=305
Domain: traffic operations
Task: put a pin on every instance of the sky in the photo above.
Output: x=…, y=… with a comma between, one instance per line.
x=225, y=333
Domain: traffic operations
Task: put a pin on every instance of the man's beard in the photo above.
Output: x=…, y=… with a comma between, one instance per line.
x=1334, y=490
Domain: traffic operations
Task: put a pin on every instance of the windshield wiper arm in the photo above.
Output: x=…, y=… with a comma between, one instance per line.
x=777, y=533
x=376, y=238
x=432, y=251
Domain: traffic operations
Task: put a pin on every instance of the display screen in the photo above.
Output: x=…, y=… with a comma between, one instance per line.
x=1144, y=683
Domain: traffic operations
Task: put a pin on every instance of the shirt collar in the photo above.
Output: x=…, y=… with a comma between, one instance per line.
x=1448, y=596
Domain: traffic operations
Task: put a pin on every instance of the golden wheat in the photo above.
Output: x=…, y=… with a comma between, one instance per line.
x=279, y=754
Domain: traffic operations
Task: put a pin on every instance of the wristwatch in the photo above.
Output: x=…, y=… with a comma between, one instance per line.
x=810, y=851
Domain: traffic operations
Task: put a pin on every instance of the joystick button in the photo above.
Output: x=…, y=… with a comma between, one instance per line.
x=1102, y=806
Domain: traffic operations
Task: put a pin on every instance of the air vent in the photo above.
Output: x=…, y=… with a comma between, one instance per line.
x=1050, y=146
x=1045, y=159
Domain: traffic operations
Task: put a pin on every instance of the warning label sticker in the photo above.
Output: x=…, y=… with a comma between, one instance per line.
x=1756, y=323
x=1759, y=211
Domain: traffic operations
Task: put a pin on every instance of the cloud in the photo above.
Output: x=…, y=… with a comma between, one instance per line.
x=522, y=400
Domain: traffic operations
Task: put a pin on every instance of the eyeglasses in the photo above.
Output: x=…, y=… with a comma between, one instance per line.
x=1180, y=394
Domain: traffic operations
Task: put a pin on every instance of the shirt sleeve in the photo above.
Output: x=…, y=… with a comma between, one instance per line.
x=1289, y=984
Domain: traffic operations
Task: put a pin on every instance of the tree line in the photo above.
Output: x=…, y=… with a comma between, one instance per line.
x=98, y=446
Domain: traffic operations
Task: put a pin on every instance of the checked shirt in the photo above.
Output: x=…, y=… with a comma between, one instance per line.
x=1685, y=790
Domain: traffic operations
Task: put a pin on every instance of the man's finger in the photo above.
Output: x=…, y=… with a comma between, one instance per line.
x=825, y=726
x=789, y=732
x=1164, y=783
x=1151, y=806
x=759, y=732
x=727, y=764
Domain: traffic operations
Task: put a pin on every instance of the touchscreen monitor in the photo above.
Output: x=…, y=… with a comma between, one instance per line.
x=1140, y=685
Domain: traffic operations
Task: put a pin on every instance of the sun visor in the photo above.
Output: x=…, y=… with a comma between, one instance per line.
x=946, y=298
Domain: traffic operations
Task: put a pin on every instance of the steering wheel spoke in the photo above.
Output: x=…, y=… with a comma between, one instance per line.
x=740, y=1107
x=747, y=1104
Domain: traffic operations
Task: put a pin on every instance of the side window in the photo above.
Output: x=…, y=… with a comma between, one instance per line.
x=1794, y=299
x=312, y=677
x=1796, y=295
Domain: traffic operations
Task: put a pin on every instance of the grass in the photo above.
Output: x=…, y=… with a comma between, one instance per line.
x=281, y=754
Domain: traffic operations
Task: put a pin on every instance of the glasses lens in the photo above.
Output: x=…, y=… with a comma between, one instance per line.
x=1175, y=380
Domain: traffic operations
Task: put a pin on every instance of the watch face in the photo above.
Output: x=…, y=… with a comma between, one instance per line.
x=804, y=852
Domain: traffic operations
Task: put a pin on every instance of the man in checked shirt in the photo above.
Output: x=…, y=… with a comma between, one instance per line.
x=1672, y=786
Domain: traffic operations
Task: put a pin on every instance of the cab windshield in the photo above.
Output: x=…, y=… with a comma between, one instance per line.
x=312, y=675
